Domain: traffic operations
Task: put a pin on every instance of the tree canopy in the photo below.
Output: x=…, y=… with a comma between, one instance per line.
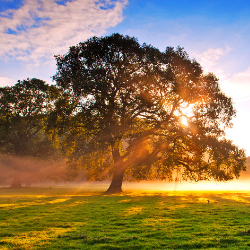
x=24, y=145
x=133, y=112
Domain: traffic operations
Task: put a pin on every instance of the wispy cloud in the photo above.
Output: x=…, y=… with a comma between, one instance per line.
x=4, y=81
x=40, y=28
x=238, y=86
x=209, y=58
x=235, y=85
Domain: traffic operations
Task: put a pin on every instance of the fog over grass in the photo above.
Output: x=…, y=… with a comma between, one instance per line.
x=49, y=173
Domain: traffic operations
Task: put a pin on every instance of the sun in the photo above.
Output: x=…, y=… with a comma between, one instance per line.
x=185, y=113
x=184, y=121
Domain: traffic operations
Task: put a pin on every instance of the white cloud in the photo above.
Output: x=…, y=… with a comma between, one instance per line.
x=238, y=86
x=209, y=58
x=235, y=85
x=42, y=28
x=5, y=81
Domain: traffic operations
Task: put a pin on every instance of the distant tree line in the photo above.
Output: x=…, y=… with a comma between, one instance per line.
x=117, y=112
x=28, y=153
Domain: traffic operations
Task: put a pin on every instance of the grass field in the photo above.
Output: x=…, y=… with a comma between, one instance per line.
x=73, y=218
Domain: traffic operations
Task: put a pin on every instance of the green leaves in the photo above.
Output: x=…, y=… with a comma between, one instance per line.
x=135, y=94
x=24, y=110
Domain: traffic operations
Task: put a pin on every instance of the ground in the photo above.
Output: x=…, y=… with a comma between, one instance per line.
x=83, y=218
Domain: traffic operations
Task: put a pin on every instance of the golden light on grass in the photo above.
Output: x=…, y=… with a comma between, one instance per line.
x=206, y=200
x=182, y=220
x=29, y=240
x=237, y=198
x=134, y=210
x=58, y=201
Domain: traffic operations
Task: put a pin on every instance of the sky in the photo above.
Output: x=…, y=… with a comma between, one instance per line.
x=215, y=32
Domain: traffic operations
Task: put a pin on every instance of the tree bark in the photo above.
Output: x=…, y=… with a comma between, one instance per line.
x=16, y=182
x=119, y=170
x=116, y=183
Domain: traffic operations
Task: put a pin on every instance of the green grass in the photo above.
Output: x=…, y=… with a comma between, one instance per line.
x=64, y=218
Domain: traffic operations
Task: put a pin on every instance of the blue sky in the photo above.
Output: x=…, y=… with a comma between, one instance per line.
x=215, y=33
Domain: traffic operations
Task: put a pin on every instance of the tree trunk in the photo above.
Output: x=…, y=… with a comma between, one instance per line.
x=119, y=170
x=16, y=182
x=116, y=183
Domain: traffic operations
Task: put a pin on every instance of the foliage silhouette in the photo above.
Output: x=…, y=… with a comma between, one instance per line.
x=24, y=144
x=121, y=114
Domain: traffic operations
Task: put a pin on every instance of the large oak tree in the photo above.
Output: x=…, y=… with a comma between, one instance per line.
x=133, y=112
